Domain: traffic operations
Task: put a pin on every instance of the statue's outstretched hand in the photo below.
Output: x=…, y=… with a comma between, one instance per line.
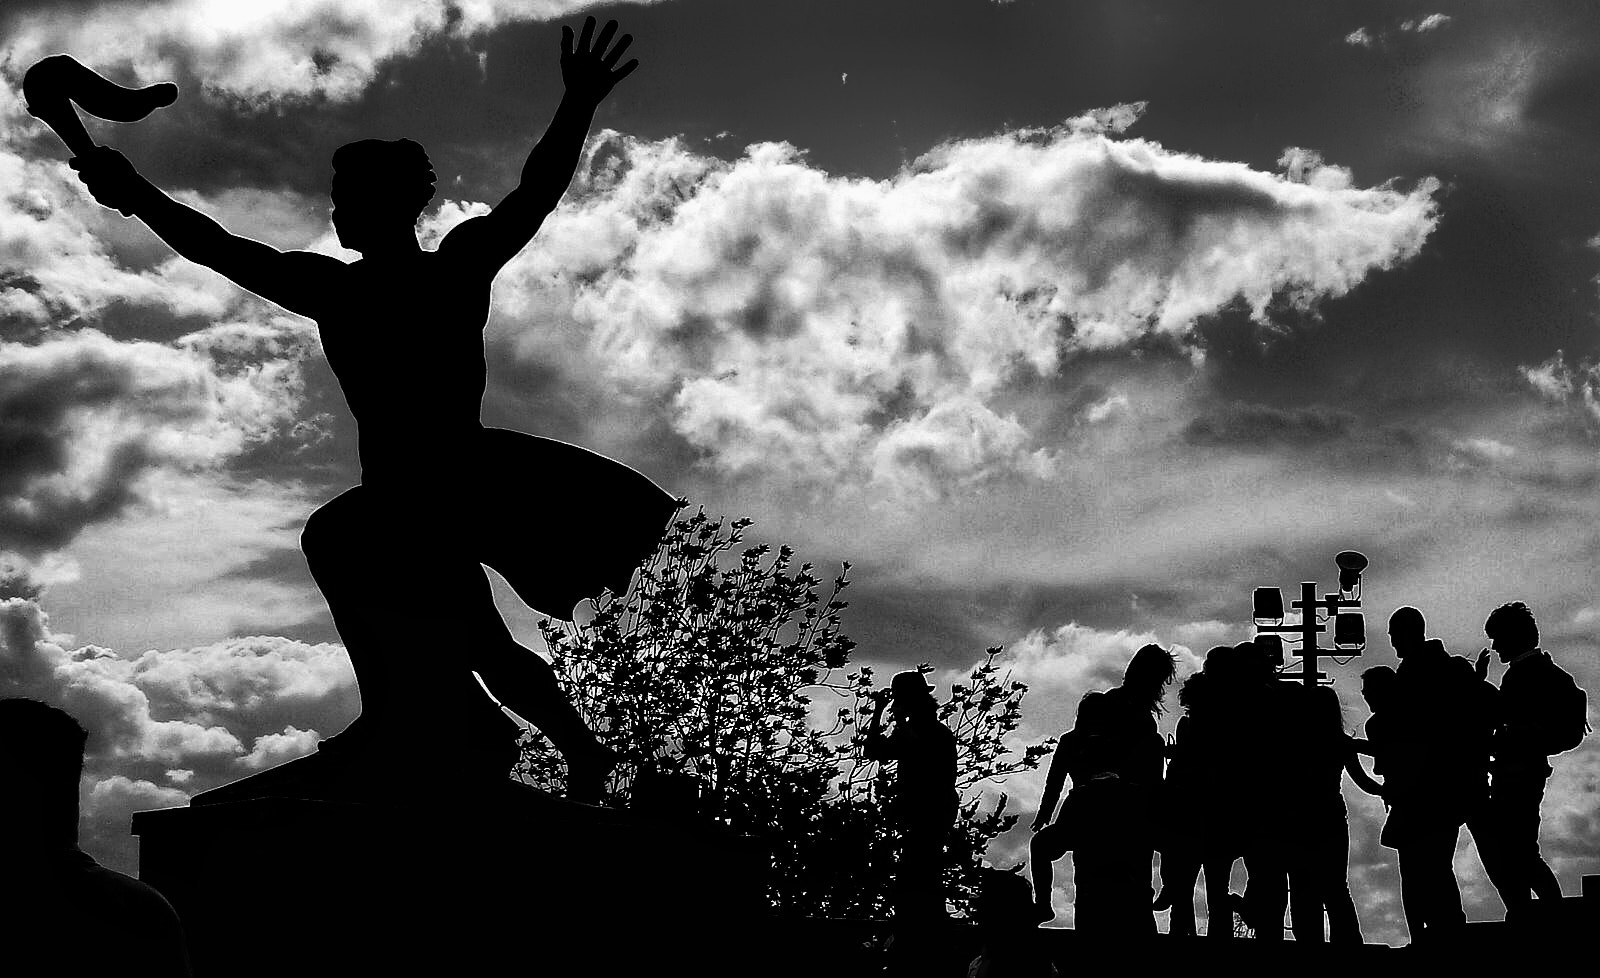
x=111, y=179
x=587, y=69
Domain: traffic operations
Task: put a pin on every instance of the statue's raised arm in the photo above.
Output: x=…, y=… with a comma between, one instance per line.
x=589, y=72
x=300, y=281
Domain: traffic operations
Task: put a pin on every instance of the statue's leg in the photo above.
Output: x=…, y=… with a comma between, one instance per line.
x=526, y=684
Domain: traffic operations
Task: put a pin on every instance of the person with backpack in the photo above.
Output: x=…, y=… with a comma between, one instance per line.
x=1541, y=711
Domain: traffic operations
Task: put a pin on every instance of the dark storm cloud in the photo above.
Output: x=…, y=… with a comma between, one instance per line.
x=83, y=418
x=1260, y=425
x=36, y=440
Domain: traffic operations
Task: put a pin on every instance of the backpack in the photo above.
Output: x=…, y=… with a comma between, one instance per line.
x=1566, y=722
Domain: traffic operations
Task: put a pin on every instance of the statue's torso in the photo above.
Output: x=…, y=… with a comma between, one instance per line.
x=405, y=340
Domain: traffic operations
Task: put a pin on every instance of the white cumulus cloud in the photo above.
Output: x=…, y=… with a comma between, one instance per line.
x=863, y=332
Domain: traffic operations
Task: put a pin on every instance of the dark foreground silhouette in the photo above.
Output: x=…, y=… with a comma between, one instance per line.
x=60, y=911
x=397, y=558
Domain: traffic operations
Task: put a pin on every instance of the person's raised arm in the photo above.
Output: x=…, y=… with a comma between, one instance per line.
x=299, y=281
x=589, y=73
x=1358, y=774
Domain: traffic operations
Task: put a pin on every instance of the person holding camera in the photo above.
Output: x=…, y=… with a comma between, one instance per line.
x=925, y=801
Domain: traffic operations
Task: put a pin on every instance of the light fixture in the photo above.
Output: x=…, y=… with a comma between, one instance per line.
x=1271, y=646
x=1268, y=605
x=1349, y=631
x=1351, y=564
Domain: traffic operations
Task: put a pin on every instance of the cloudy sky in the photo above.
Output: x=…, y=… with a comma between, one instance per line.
x=1067, y=323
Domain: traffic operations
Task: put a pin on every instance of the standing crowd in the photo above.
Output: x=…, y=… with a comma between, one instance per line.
x=1254, y=773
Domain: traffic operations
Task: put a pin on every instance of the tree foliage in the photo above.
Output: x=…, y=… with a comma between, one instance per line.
x=736, y=679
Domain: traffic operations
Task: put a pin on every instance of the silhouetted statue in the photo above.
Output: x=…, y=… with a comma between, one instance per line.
x=1319, y=853
x=1435, y=772
x=1541, y=711
x=60, y=911
x=924, y=805
x=397, y=558
x=1115, y=757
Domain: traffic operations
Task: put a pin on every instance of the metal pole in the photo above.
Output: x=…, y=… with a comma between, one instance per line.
x=1308, y=630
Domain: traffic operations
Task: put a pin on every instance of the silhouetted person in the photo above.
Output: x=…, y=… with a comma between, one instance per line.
x=1269, y=712
x=1381, y=743
x=398, y=557
x=1319, y=858
x=1540, y=712
x=1435, y=772
x=1214, y=786
x=60, y=911
x=1089, y=756
x=1121, y=763
x=1011, y=945
x=1184, y=799
x=925, y=800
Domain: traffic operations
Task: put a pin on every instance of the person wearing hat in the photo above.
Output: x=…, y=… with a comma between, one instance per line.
x=924, y=805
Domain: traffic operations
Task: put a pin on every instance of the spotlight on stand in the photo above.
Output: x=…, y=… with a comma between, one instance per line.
x=1349, y=631
x=1351, y=564
x=1271, y=646
x=1268, y=604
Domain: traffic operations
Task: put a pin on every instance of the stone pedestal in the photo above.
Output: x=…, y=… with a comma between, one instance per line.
x=521, y=883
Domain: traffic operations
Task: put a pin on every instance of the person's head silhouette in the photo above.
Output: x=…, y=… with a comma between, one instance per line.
x=1093, y=713
x=1252, y=662
x=1512, y=630
x=1220, y=663
x=380, y=188
x=1150, y=670
x=41, y=761
x=912, y=697
x=1408, y=631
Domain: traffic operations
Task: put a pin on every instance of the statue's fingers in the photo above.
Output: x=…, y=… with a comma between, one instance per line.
x=566, y=40
x=625, y=71
x=606, y=33
x=586, y=36
x=611, y=59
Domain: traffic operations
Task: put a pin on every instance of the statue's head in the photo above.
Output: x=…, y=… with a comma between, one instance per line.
x=380, y=188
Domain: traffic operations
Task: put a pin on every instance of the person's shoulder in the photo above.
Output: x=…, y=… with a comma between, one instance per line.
x=130, y=893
